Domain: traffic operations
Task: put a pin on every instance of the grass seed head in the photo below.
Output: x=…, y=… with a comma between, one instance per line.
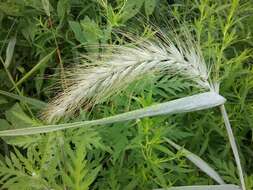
x=107, y=73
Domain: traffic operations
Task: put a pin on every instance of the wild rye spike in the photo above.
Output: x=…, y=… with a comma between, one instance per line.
x=120, y=67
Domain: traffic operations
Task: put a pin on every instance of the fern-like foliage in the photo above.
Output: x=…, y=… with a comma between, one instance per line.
x=78, y=172
x=20, y=172
x=55, y=161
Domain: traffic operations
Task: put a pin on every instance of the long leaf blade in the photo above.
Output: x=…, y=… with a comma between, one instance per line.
x=46, y=6
x=9, y=52
x=36, y=103
x=233, y=145
x=201, y=164
x=187, y=104
x=205, y=187
x=36, y=67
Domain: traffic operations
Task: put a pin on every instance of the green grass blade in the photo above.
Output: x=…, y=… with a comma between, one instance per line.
x=36, y=103
x=205, y=187
x=233, y=145
x=196, y=160
x=187, y=104
x=43, y=61
x=46, y=6
x=9, y=52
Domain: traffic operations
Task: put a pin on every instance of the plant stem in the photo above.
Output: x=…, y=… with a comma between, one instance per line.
x=15, y=86
x=233, y=145
x=63, y=78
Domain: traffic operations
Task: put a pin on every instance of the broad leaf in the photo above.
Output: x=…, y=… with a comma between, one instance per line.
x=76, y=28
x=131, y=8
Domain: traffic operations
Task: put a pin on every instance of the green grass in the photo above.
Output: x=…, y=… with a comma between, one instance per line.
x=41, y=39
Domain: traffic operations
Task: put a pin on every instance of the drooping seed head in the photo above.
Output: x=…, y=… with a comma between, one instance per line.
x=107, y=73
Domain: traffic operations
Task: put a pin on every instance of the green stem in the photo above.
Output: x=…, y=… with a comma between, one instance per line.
x=15, y=86
x=63, y=78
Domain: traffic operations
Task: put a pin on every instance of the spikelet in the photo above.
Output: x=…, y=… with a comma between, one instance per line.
x=123, y=65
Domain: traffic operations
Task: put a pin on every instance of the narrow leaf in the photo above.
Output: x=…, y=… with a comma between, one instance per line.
x=63, y=7
x=201, y=164
x=46, y=6
x=149, y=6
x=187, y=104
x=42, y=62
x=205, y=187
x=10, y=51
x=233, y=145
x=36, y=103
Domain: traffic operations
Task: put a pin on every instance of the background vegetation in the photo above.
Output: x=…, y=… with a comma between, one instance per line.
x=41, y=38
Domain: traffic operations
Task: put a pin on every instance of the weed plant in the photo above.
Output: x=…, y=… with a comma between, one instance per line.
x=41, y=39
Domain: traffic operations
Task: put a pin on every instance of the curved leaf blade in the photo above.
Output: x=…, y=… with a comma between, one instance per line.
x=196, y=160
x=205, y=187
x=34, y=102
x=187, y=104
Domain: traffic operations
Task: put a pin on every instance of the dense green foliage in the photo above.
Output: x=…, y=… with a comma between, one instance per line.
x=41, y=38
